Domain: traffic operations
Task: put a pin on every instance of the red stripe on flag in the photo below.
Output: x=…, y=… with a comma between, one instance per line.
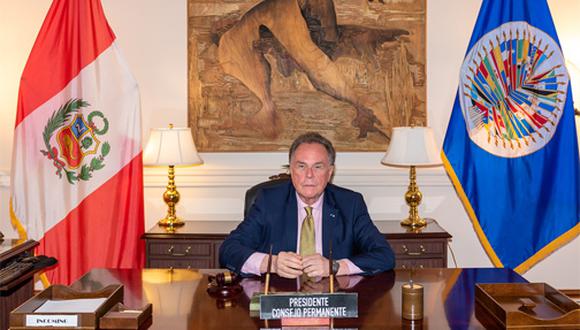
x=104, y=231
x=72, y=36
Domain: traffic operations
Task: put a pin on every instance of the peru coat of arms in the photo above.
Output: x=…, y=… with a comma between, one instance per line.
x=72, y=141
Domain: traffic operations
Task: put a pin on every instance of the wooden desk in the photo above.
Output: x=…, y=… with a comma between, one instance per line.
x=21, y=289
x=180, y=300
x=196, y=245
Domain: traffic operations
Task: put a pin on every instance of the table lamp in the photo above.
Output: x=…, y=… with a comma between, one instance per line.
x=412, y=147
x=171, y=147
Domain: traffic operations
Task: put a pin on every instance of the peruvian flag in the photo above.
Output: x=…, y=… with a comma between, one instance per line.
x=77, y=175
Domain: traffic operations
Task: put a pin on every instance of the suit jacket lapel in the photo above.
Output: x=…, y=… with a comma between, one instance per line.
x=291, y=222
x=328, y=218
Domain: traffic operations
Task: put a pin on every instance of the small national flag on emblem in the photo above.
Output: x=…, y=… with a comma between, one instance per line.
x=77, y=183
x=511, y=148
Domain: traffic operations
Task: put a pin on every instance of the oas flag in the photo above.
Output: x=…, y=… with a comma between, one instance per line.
x=77, y=183
x=511, y=147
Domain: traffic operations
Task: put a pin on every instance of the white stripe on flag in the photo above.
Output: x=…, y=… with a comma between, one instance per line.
x=42, y=199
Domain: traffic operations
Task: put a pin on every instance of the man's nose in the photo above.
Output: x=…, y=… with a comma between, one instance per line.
x=309, y=172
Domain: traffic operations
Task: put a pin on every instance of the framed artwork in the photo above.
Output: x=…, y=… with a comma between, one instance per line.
x=262, y=72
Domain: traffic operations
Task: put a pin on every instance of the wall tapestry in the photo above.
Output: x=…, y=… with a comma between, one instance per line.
x=263, y=72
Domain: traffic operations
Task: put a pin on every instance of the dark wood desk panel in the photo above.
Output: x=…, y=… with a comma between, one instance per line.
x=180, y=300
x=21, y=289
x=197, y=243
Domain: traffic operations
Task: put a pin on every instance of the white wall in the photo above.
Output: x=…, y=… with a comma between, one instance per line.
x=152, y=35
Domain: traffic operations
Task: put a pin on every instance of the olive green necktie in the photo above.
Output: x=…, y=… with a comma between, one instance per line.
x=307, y=243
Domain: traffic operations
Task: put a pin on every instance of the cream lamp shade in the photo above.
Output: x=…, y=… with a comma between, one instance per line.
x=171, y=146
x=412, y=146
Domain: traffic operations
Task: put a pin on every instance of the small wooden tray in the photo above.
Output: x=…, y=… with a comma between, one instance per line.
x=530, y=305
x=113, y=294
x=122, y=317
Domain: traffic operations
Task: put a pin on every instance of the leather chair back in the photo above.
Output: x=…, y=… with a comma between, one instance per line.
x=254, y=190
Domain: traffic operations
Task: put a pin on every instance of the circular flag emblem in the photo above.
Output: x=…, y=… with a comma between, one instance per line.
x=512, y=90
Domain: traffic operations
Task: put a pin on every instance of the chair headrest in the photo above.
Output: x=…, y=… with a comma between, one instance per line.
x=254, y=190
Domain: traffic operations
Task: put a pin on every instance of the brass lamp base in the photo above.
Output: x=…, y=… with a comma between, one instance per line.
x=168, y=222
x=414, y=223
x=171, y=198
x=413, y=198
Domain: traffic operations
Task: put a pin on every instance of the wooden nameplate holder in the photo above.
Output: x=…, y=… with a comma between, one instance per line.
x=308, y=309
x=305, y=309
x=26, y=317
x=529, y=305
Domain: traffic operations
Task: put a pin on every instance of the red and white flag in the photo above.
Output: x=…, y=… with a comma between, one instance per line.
x=77, y=175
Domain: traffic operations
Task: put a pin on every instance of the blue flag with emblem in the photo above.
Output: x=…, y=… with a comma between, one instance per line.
x=511, y=148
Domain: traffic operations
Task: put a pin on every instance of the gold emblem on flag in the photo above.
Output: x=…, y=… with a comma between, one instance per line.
x=75, y=139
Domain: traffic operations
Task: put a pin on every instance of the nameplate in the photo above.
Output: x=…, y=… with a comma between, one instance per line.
x=53, y=321
x=300, y=305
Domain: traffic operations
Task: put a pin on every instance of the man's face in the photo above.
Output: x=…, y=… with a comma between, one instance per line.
x=310, y=170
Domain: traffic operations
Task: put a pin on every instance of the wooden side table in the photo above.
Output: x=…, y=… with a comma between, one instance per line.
x=419, y=248
x=197, y=243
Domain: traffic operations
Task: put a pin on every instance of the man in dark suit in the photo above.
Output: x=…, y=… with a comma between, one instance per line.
x=300, y=218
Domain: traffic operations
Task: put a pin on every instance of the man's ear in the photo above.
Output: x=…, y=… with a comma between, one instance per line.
x=331, y=173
